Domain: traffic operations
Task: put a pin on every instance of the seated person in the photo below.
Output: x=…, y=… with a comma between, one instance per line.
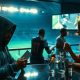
x=8, y=66
x=76, y=58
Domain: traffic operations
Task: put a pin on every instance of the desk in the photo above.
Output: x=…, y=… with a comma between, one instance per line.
x=36, y=72
x=75, y=75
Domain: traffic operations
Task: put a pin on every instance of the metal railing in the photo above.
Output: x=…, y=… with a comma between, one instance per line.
x=19, y=49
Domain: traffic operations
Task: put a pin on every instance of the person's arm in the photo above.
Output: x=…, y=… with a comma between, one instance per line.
x=47, y=50
x=76, y=59
x=9, y=69
x=47, y=47
x=76, y=64
x=10, y=58
x=68, y=49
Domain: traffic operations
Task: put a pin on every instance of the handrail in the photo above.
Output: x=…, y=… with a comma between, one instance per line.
x=30, y=48
x=19, y=49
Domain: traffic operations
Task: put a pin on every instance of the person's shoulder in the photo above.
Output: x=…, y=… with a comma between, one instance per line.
x=45, y=40
x=58, y=37
x=78, y=55
x=35, y=38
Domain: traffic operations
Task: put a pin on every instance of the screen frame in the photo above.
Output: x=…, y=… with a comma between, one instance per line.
x=78, y=14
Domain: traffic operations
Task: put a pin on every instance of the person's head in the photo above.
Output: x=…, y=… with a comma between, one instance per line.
x=41, y=33
x=7, y=29
x=63, y=32
x=8, y=35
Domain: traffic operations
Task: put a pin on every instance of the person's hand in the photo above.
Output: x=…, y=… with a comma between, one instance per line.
x=21, y=63
x=67, y=47
x=52, y=58
x=70, y=64
x=52, y=48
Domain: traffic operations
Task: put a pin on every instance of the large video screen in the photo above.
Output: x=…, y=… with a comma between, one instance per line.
x=68, y=21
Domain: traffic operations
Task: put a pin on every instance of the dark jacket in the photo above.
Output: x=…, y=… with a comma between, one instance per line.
x=7, y=63
x=37, y=50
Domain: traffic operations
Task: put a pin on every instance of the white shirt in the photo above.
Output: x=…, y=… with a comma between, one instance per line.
x=60, y=41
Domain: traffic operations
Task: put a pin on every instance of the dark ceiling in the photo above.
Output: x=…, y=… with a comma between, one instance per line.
x=64, y=1
x=60, y=1
x=57, y=1
x=49, y=6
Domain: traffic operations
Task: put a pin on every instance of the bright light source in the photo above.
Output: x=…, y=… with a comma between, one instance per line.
x=12, y=9
x=32, y=74
x=4, y=8
x=24, y=10
x=0, y=8
x=27, y=74
x=42, y=11
x=35, y=11
x=27, y=10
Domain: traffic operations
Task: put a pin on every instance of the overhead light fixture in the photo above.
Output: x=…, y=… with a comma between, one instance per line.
x=4, y=8
x=34, y=11
x=22, y=10
x=0, y=8
x=10, y=9
x=13, y=9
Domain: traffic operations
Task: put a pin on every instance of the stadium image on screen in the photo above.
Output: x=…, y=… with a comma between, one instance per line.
x=68, y=21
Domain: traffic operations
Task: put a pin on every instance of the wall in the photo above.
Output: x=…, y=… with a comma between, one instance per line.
x=28, y=26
